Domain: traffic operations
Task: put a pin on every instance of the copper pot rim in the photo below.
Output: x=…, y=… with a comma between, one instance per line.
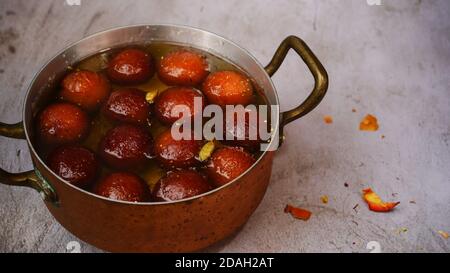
x=159, y=203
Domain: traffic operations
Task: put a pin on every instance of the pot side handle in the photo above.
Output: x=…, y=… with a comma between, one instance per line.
x=31, y=179
x=316, y=68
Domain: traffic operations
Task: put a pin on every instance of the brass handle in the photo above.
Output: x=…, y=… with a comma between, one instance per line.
x=316, y=68
x=12, y=130
x=32, y=178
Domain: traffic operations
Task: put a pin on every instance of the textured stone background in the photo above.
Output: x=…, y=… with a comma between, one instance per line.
x=390, y=60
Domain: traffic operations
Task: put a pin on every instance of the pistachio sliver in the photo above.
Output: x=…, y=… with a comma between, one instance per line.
x=151, y=95
x=206, y=151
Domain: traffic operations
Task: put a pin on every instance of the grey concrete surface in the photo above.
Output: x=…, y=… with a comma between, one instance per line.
x=390, y=60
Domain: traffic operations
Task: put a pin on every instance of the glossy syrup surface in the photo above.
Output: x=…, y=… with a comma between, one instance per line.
x=151, y=172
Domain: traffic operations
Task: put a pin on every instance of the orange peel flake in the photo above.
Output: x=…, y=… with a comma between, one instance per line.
x=328, y=119
x=375, y=203
x=298, y=213
x=443, y=234
x=369, y=123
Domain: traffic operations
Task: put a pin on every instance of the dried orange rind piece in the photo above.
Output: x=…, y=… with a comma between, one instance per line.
x=298, y=213
x=328, y=119
x=375, y=203
x=369, y=123
x=443, y=234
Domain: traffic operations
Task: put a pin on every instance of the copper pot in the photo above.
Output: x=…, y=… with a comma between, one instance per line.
x=181, y=226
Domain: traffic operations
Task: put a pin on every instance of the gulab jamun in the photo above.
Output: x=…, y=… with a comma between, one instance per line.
x=173, y=153
x=180, y=184
x=128, y=105
x=131, y=66
x=228, y=163
x=228, y=88
x=62, y=123
x=74, y=163
x=86, y=89
x=244, y=133
x=123, y=186
x=126, y=146
x=176, y=96
x=183, y=67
